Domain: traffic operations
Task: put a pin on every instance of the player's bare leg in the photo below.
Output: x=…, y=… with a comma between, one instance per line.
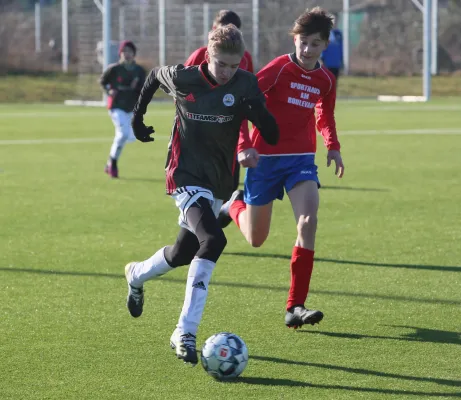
x=253, y=221
x=304, y=199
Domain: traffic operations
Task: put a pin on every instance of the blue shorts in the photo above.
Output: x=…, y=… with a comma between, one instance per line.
x=266, y=182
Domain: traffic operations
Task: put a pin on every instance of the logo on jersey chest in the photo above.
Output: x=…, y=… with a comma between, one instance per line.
x=210, y=118
x=228, y=100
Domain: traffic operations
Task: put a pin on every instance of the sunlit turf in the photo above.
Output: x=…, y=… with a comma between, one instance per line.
x=387, y=272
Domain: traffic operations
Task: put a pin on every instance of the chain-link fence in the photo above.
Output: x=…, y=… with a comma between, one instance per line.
x=385, y=35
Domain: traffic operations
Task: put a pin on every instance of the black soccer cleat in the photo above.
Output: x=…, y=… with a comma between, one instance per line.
x=185, y=348
x=224, y=218
x=297, y=316
x=135, y=298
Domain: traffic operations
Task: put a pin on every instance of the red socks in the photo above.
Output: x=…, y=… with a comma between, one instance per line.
x=302, y=263
x=235, y=209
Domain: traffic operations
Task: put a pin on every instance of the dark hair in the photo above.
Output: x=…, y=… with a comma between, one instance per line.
x=313, y=21
x=226, y=17
x=127, y=43
x=226, y=39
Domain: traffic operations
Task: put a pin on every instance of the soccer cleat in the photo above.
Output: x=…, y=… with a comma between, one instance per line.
x=297, y=316
x=184, y=345
x=135, y=298
x=224, y=218
x=111, y=170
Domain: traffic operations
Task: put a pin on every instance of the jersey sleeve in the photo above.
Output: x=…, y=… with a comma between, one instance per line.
x=169, y=78
x=106, y=79
x=267, y=76
x=148, y=90
x=325, y=118
x=196, y=58
x=254, y=93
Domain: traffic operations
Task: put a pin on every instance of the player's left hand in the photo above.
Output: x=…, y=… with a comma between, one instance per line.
x=248, y=158
x=335, y=155
x=141, y=131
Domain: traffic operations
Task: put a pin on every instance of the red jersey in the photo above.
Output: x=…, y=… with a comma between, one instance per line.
x=198, y=56
x=294, y=96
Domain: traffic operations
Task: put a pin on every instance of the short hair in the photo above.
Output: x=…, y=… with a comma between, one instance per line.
x=226, y=39
x=313, y=21
x=226, y=17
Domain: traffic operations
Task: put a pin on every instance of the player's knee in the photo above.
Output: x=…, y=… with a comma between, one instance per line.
x=257, y=240
x=307, y=225
x=176, y=258
x=212, y=246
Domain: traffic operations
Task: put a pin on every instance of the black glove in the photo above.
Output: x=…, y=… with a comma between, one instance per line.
x=141, y=131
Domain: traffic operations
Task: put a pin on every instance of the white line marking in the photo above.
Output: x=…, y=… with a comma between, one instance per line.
x=448, y=131
x=431, y=131
x=67, y=114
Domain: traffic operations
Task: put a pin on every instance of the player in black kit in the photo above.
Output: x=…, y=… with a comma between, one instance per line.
x=211, y=100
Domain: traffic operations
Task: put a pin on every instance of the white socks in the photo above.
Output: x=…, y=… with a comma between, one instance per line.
x=149, y=269
x=198, y=278
x=200, y=271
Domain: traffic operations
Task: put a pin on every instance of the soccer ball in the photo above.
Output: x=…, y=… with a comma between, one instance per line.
x=224, y=356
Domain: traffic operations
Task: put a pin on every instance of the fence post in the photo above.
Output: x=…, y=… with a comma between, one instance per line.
x=188, y=28
x=255, y=29
x=38, y=28
x=121, y=23
x=206, y=22
x=346, y=36
x=65, y=35
x=161, y=32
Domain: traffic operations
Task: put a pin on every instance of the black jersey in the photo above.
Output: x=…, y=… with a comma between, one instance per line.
x=127, y=80
x=202, y=149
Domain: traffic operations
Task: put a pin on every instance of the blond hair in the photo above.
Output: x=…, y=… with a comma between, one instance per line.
x=226, y=39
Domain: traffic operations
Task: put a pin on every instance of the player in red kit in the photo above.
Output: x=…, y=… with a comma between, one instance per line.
x=222, y=18
x=294, y=86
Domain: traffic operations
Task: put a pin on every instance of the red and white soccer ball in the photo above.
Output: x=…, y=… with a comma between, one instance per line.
x=224, y=356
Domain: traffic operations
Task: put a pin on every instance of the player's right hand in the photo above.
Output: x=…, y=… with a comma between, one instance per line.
x=248, y=158
x=141, y=131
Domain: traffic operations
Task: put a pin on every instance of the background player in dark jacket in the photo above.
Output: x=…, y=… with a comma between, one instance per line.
x=226, y=17
x=211, y=102
x=122, y=82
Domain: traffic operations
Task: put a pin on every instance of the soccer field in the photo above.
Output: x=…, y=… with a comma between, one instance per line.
x=387, y=273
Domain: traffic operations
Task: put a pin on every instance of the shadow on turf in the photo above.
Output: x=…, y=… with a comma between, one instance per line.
x=241, y=285
x=151, y=180
x=419, y=335
x=351, y=262
x=293, y=383
x=355, y=189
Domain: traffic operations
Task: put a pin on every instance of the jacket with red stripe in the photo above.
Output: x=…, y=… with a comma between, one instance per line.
x=202, y=149
x=301, y=101
x=198, y=57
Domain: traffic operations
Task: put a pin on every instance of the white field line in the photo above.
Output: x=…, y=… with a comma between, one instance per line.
x=152, y=111
x=449, y=131
x=54, y=114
